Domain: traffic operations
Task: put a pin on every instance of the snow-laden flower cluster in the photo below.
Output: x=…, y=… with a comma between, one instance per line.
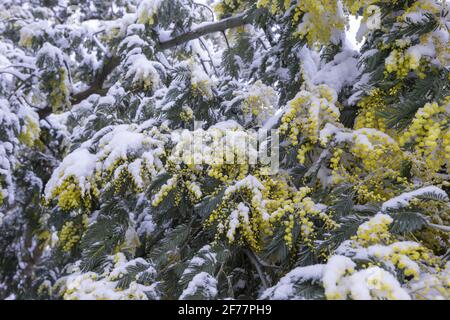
x=340, y=280
x=146, y=11
x=258, y=205
x=317, y=21
x=367, y=150
x=201, y=83
x=225, y=143
x=141, y=71
x=258, y=99
x=367, y=268
x=307, y=114
x=92, y=286
x=203, y=282
x=126, y=152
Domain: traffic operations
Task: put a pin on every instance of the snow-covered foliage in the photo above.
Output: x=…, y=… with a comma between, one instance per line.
x=134, y=152
x=128, y=280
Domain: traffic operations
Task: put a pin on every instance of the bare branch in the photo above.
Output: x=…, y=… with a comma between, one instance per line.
x=222, y=25
x=97, y=85
x=257, y=266
x=439, y=227
x=15, y=73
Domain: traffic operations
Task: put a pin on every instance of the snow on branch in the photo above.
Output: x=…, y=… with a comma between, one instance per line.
x=206, y=28
x=404, y=199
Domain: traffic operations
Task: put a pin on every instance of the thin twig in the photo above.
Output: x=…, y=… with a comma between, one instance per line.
x=257, y=265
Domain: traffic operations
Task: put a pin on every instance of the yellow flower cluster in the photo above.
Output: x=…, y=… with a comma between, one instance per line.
x=259, y=100
x=441, y=48
x=403, y=255
x=401, y=63
x=354, y=5
x=380, y=244
x=334, y=165
x=59, y=95
x=434, y=286
x=119, y=175
x=277, y=190
x=186, y=114
x=258, y=205
x=369, y=106
x=186, y=180
x=202, y=88
x=229, y=6
x=371, y=283
x=299, y=208
x=404, y=57
x=374, y=231
x=194, y=190
x=368, y=165
x=30, y=132
x=164, y=191
x=429, y=133
x=320, y=18
x=225, y=153
x=69, y=236
x=242, y=209
x=380, y=146
x=201, y=83
x=423, y=275
x=274, y=5
x=228, y=172
x=70, y=196
x=374, y=282
x=251, y=105
x=379, y=284
x=307, y=114
x=146, y=12
x=114, y=166
x=132, y=174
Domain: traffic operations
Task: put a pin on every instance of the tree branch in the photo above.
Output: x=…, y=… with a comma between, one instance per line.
x=439, y=227
x=112, y=62
x=257, y=266
x=222, y=25
x=97, y=85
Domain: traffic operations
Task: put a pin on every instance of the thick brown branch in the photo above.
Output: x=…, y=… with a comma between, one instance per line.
x=222, y=25
x=97, y=85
